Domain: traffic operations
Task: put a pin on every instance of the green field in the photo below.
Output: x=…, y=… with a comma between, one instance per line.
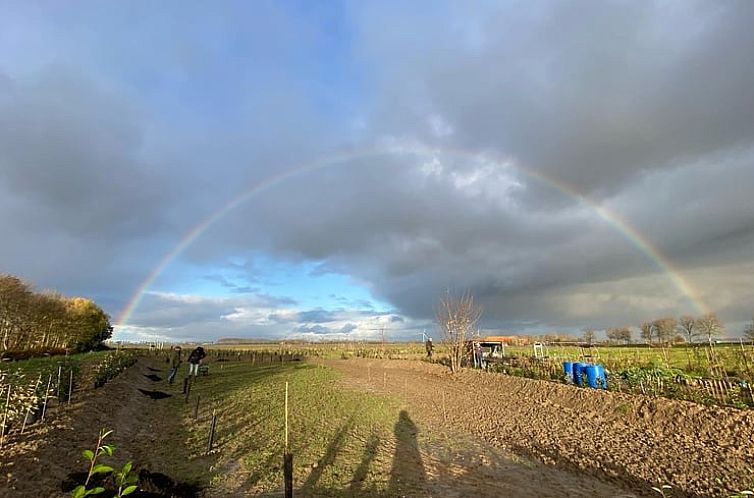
x=350, y=453
x=698, y=360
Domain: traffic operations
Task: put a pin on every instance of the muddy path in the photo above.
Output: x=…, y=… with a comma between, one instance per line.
x=134, y=405
x=576, y=440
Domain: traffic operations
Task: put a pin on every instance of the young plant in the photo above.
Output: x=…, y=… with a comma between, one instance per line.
x=126, y=481
x=94, y=467
x=661, y=490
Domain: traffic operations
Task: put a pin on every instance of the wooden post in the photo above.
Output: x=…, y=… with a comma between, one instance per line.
x=444, y=414
x=5, y=417
x=212, y=427
x=188, y=389
x=287, y=457
x=47, y=394
x=288, y=474
x=70, y=386
x=60, y=371
x=384, y=379
x=196, y=407
x=185, y=385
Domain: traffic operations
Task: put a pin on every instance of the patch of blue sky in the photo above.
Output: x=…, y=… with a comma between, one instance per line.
x=302, y=282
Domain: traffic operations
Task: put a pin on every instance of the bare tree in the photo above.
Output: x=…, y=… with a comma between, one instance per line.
x=664, y=329
x=687, y=325
x=588, y=335
x=618, y=334
x=457, y=318
x=749, y=330
x=647, y=331
x=710, y=326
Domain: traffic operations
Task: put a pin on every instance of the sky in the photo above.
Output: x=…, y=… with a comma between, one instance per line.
x=329, y=170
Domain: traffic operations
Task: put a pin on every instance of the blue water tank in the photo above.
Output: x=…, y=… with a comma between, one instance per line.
x=592, y=372
x=578, y=370
x=601, y=376
x=568, y=369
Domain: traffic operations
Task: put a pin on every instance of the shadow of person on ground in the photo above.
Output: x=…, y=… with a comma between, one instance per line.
x=328, y=459
x=370, y=452
x=408, y=468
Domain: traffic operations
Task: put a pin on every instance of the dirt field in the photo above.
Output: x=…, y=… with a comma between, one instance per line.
x=470, y=434
x=35, y=464
x=632, y=441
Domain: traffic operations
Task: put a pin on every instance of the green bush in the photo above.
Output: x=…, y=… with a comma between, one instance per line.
x=112, y=366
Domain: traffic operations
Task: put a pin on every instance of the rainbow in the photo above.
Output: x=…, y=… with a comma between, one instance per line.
x=612, y=218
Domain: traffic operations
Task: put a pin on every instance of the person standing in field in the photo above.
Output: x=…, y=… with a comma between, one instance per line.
x=175, y=362
x=429, y=347
x=478, y=357
x=194, y=359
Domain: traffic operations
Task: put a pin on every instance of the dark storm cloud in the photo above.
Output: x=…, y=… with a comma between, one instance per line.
x=71, y=157
x=593, y=93
x=644, y=108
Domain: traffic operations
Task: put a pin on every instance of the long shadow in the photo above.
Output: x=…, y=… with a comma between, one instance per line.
x=329, y=457
x=408, y=468
x=370, y=452
x=155, y=395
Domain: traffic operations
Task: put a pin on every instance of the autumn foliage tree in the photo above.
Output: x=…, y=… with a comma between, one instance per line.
x=457, y=318
x=45, y=320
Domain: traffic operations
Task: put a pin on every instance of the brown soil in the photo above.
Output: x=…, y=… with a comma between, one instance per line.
x=479, y=435
x=593, y=443
x=144, y=431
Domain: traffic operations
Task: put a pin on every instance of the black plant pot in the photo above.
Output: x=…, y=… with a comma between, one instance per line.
x=33, y=415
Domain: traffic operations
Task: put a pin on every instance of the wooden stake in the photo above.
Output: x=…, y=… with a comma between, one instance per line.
x=212, y=426
x=444, y=415
x=287, y=457
x=288, y=474
x=196, y=407
x=60, y=372
x=384, y=379
x=70, y=386
x=47, y=393
x=5, y=417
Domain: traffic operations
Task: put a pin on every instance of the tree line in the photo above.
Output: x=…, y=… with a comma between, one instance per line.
x=668, y=330
x=31, y=320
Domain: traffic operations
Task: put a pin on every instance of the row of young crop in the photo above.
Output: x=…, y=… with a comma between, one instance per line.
x=26, y=395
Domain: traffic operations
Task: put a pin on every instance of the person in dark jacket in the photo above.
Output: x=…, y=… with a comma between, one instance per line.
x=194, y=359
x=175, y=362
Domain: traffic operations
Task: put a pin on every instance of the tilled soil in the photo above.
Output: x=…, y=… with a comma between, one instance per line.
x=631, y=442
x=37, y=463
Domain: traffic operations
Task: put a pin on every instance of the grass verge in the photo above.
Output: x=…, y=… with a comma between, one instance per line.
x=345, y=443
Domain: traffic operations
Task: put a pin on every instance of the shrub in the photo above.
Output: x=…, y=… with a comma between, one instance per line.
x=111, y=367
